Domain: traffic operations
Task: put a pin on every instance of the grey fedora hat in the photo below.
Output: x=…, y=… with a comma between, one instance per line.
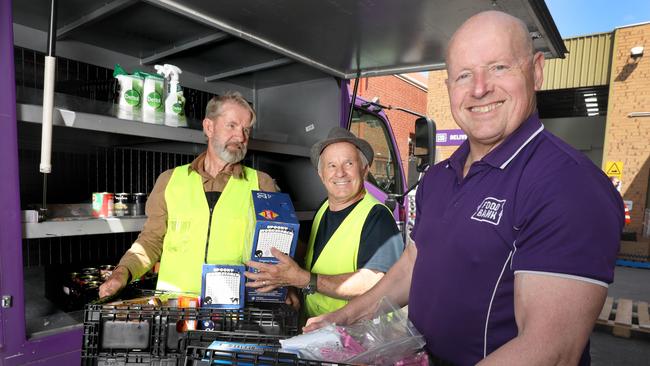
x=338, y=134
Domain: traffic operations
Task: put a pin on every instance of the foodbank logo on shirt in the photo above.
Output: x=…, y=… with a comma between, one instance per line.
x=490, y=211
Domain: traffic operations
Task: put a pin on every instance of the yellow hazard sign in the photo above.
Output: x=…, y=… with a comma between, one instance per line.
x=614, y=169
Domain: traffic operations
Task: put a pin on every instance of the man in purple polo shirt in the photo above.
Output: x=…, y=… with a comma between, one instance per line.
x=516, y=233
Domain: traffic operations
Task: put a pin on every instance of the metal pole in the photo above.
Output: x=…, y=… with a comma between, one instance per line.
x=48, y=105
x=353, y=99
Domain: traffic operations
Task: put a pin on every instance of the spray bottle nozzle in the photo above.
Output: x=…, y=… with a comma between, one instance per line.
x=168, y=71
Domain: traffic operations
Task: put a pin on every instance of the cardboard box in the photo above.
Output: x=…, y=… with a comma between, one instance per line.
x=222, y=286
x=638, y=251
x=273, y=223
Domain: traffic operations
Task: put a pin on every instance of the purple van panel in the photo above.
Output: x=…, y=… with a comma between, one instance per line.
x=12, y=325
x=60, y=349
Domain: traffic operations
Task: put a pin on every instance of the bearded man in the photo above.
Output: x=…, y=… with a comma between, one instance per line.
x=196, y=213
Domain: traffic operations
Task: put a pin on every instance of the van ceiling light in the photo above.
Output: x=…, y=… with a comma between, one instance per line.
x=591, y=105
x=591, y=100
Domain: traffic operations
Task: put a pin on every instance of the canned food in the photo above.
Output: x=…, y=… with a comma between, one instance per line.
x=139, y=202
x=83, y=280
x=102, y=204
x=121, y=206
x=90, y=290
x=90, y=271
x=92, y=285
x=106, y=271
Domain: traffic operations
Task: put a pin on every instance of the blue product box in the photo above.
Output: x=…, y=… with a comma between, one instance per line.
x=276, y=296
x=222, y=286
x=273, y=223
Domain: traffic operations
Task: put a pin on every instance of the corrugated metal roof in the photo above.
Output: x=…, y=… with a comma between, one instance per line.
x=587, y=64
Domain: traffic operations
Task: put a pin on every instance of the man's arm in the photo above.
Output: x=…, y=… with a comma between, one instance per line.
x=395, y=286
x=147, y=248
x=347, y=286
x=554, y=316
x=266, y=183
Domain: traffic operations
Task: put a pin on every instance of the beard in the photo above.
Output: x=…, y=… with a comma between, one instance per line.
x=229, y=156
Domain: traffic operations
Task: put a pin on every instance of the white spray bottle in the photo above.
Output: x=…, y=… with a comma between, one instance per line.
x=175, y=101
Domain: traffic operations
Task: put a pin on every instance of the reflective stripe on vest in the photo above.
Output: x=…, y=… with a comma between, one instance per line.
x=339, y=254
x=187, y=228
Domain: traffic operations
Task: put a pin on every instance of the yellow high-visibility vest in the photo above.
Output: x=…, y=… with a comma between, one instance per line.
x=188, y=215
x=339, y=254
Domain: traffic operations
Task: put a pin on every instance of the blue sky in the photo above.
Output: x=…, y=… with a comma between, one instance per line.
x=581, y=17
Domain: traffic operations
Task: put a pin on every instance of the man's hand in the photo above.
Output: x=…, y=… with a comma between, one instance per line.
x=118, y=279
x=293, y=298
x=271, y=276
x=336, y=317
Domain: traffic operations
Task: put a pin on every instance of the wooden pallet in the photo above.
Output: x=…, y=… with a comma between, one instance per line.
x=625, y=317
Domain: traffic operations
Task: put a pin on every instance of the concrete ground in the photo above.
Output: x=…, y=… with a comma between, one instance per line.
x=607, y=350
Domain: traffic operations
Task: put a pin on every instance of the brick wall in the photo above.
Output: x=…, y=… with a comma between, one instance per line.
x=396, y=91
x=628, y=139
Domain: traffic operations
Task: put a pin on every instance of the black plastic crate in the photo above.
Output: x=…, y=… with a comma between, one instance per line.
x=203, y=338
x=280, y=320
x=146, y=333
x=131, y=359
x=198, y=354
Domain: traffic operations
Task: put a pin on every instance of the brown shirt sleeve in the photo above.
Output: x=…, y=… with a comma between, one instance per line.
x=266, y=183
x=147, y=248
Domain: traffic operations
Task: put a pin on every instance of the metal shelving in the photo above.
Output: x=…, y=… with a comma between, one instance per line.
x=32, y=113
x=90, y=226
x=106, y=123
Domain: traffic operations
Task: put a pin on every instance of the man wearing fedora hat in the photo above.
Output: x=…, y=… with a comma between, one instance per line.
x=354, y=239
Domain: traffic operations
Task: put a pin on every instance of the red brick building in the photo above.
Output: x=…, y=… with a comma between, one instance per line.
x=408, y=91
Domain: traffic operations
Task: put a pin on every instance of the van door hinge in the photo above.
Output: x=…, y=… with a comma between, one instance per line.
x=6, y=301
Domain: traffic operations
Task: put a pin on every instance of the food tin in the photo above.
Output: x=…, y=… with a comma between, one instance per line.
x=139, y=202
x=102, y=204
x=74, y=277
x=90, y=271
x=105, y=271
x=92, y=285
x=84, y=279
x=121, y=206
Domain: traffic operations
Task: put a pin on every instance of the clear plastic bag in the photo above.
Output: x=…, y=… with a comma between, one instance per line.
x=387, y=339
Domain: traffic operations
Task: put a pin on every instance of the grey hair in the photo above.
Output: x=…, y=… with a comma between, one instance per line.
x=215, y=105
x=364, y=160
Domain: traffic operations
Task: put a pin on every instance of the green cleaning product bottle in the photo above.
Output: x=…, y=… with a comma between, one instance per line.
x=130, y=99
x=153, y=108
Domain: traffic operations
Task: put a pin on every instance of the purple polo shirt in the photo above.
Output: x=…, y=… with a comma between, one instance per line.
x=533, y=204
